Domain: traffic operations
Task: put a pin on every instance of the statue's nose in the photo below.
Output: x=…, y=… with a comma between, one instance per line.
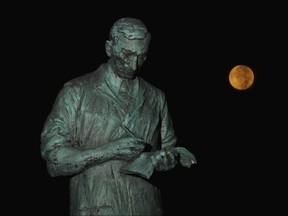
x=133, y=62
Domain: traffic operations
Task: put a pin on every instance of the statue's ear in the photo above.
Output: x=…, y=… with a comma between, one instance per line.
x=108, y=48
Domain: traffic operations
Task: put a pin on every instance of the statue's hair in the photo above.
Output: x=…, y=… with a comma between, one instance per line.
x=131, y=28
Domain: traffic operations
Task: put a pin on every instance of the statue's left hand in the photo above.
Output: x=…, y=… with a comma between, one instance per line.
x=164, y=159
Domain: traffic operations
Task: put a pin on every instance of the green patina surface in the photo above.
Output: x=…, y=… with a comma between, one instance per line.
x=110, y=130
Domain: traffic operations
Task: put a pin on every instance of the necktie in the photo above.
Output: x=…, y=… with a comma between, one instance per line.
x=124, y=91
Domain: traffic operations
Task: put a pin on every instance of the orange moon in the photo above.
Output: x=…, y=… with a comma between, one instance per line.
x=241, y=77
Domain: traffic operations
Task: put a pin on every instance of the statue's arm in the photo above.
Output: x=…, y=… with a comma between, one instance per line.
x=169, y=155
x=58, y=142
x=165, y=158
x=168, y=136
x=64, y=160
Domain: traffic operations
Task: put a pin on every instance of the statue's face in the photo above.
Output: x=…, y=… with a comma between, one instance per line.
x=129, y=55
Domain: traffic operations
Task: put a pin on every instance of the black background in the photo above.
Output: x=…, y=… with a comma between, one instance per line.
x=237, y=136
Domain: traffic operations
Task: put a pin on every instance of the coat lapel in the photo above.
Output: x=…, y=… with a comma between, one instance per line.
x=101, y=85
x=139, y=99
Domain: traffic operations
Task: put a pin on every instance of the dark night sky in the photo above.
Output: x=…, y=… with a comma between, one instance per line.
x=235, y=135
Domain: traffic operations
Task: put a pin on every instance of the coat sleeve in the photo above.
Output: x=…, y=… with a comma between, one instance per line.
x=59, y=127
x=168, y=136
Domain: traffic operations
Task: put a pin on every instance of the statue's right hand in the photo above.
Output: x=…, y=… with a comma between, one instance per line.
x=127, y=148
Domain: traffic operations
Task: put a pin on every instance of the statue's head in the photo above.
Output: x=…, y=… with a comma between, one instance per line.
x=128, y=46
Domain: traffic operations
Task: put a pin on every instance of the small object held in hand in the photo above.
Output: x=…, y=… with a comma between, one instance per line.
x=143, y=167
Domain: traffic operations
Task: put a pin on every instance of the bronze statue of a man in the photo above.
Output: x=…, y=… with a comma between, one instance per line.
x=109, y=130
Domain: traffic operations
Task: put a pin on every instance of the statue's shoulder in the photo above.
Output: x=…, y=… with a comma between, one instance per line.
x=152, y=89
x=87, y=79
